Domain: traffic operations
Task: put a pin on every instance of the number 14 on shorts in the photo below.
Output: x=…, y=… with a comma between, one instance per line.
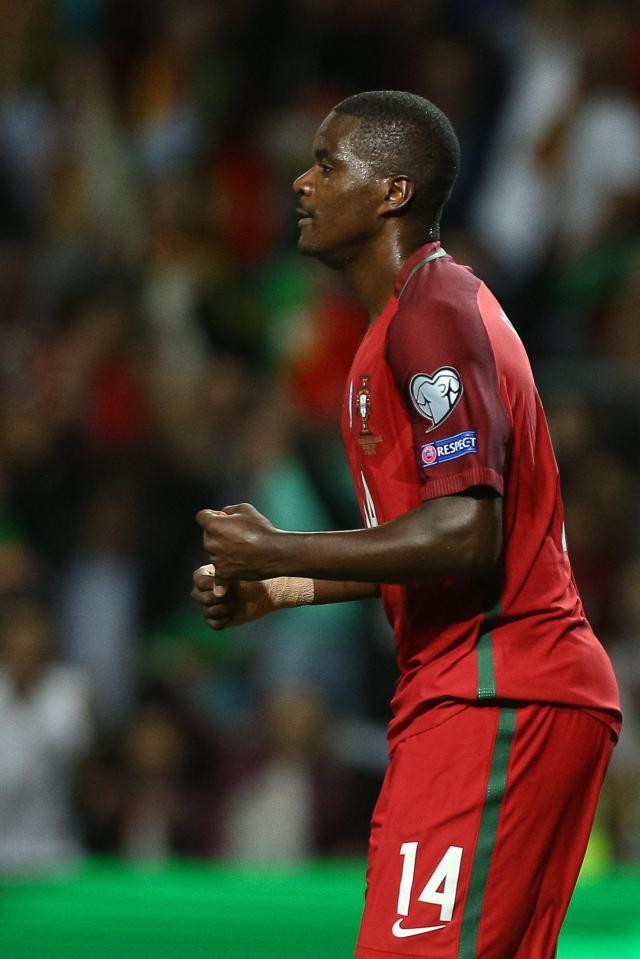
x=440, y=888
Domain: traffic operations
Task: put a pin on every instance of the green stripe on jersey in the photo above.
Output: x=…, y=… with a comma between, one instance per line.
x=418, y=266
x=496, y=789
x=484, y=656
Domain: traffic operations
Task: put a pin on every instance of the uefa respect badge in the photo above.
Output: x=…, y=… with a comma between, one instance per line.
x=449, y=448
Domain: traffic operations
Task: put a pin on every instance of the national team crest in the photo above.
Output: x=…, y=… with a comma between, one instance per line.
x=363, y=405
x=363, y=400
x=435, y=396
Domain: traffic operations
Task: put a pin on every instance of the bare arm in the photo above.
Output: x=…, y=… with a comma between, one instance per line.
x=257, y=569
x=239, y=602
x=446, y=535
x=331, y=591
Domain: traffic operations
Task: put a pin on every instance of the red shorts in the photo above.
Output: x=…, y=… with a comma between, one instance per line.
x=479, y=833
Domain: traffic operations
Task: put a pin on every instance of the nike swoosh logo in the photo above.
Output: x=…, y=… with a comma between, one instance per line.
x=401, y=933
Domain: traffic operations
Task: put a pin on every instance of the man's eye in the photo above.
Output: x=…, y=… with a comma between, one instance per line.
x=326, y=170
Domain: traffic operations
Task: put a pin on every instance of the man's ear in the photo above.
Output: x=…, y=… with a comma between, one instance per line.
x=399, y=193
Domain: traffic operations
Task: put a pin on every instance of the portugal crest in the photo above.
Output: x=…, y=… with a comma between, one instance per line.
x=363, y=406
x=363, y=401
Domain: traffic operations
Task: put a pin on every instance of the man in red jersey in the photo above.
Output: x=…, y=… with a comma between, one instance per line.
x=506, y=708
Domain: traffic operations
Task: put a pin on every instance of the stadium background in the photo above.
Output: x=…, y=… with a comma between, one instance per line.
x=163, y=348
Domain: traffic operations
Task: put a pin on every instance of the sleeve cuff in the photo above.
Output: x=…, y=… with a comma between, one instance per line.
x=450, y=485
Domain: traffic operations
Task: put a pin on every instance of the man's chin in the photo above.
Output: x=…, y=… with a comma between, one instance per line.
x=328, y=257
x=307, y=248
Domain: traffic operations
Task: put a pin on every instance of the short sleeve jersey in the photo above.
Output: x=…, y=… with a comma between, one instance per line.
x=441, y=398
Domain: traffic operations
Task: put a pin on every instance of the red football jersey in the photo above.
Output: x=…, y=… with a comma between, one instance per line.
x=440, y=399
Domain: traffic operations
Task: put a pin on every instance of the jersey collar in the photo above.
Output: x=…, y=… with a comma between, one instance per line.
x=421, y=256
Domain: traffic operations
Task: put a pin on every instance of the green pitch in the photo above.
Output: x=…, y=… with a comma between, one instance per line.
x=191, y=911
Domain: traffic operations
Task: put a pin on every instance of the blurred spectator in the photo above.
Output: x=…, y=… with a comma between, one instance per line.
x=145, y=793
x=594, y=483
x=18, y=563
x=99, y=600
x=592, y=146
x=154, y=757
x=293, y=799
x=174, y=71
x=620, y=335
x=97, y=377
x=567, y=152
x=45, y=730
x=514, y=212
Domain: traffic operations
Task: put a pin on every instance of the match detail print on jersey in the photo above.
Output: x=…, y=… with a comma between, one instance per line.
x=440, y=889
x=370, y=515
x=449, y=448
x=366, y=438
x=436, y=395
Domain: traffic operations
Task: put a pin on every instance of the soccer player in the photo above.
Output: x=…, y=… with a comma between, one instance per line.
x=506, y=708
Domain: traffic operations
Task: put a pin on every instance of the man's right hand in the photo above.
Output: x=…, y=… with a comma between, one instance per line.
x=231, y=604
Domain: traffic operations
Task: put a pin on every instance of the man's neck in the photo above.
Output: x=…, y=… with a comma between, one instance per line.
x=373, y=273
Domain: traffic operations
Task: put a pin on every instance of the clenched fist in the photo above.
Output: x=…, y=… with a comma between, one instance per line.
x=242, y=544
x=232, y=604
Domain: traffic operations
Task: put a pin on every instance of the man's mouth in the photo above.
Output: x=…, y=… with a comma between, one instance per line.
x=305, y=216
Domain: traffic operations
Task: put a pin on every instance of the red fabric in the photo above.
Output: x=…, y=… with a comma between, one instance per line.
x=543, y=647
x=432, y=336
x=556, y=763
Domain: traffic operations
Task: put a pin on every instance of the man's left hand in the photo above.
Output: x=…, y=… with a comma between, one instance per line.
x=240, y=541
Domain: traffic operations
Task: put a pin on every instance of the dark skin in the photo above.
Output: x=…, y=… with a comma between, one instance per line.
x=351, y=220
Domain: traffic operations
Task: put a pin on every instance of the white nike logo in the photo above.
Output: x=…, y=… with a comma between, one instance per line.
x=401, y=933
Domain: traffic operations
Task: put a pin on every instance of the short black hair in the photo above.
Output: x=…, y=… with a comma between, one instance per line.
x=404, y=133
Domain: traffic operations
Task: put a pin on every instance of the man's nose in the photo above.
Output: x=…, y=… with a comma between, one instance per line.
x=302, y=183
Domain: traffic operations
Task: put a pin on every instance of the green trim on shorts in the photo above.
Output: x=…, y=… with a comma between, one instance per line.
x=418, y=266
x=484, y=656
x=496, y=789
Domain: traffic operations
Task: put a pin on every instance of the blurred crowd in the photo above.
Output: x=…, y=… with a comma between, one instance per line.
x=163, y=348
